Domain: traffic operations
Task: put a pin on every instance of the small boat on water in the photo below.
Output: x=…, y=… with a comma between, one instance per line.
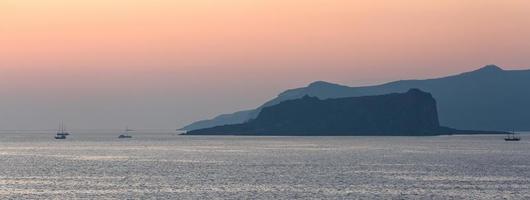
x=512, y=137
x=60, y=137
x=61, y=133
x=125, y=134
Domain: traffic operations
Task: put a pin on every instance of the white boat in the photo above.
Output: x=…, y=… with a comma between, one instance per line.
x=512, y=137
x=125, y=134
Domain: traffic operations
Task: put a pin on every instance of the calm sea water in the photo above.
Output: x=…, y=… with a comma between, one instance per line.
x=165, y=166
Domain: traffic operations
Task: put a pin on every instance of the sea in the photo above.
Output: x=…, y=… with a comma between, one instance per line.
x=165, y=165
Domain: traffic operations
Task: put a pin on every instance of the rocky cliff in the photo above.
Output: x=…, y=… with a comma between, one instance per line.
x=411, y=113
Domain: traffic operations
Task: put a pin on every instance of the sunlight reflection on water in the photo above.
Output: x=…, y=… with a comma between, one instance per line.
x=98, y=165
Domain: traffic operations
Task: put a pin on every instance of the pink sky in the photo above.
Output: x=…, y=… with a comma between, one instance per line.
x=164, y=63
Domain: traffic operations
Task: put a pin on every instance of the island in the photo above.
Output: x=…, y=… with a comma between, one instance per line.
x=413, y=113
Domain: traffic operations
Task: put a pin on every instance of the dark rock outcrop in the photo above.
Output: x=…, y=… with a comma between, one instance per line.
x=412, y=113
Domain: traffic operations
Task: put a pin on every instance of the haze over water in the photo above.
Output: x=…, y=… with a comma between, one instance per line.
x=167, y=63
x=162, y=64
x=162, y=165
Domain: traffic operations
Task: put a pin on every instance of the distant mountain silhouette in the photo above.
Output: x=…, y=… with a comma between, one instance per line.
x=407, y=114
x=489, y=98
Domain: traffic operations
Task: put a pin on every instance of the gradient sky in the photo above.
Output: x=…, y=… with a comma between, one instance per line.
x=165, y=63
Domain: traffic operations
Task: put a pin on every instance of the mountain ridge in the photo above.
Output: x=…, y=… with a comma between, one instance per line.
x=468, y=100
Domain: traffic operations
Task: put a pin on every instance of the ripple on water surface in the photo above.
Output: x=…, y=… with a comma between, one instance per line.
x=154, y=165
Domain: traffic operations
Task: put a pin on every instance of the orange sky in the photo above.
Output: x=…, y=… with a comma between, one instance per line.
x=229, y=49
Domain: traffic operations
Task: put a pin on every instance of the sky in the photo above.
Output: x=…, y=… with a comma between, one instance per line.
x=161, y=64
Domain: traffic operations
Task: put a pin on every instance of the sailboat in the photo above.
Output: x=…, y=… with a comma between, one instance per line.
x=125, y=134
x=61, y=133
x=512, y=137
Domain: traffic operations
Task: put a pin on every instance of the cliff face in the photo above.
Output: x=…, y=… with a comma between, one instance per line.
x=410, y=113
